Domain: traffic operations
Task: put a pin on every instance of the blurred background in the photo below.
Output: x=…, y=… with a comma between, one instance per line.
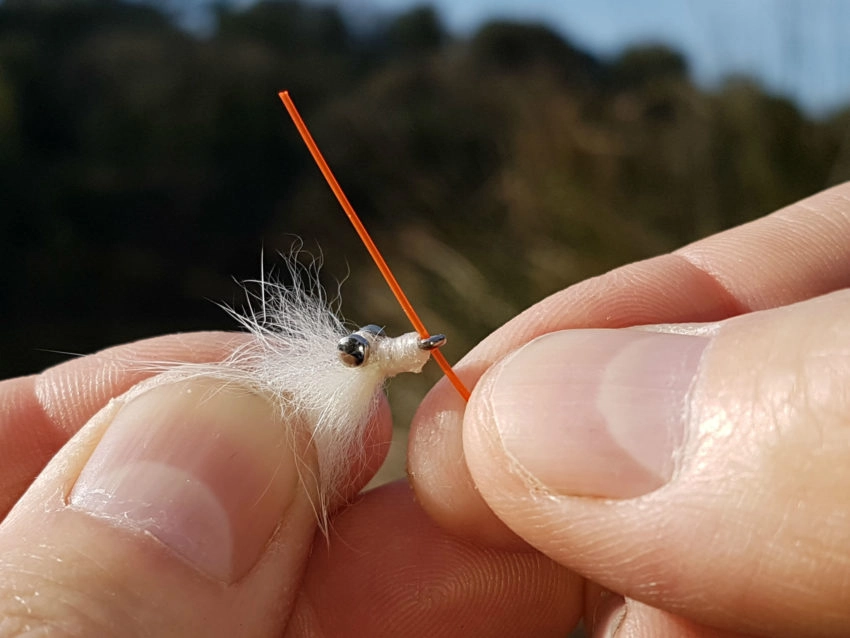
x=497, y=151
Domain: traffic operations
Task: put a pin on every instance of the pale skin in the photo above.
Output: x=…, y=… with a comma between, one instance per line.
x=719, y=506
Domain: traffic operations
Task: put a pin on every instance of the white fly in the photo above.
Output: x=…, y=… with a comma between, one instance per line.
x=325, y=379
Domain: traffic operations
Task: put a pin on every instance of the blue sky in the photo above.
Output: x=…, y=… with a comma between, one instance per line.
x=799, y=48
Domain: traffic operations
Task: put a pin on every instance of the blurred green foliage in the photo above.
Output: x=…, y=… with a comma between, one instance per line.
x=143, y=167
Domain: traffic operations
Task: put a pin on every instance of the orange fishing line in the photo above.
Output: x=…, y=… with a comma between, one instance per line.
x=379, y=260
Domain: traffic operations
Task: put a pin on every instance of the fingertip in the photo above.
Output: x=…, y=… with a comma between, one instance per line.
x=27, y=438
x=439, y=475
x=71, y=392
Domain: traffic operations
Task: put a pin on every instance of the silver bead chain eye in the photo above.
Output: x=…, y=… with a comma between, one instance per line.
x=354, y=349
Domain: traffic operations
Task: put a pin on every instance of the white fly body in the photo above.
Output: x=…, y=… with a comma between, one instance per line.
x=297, y=358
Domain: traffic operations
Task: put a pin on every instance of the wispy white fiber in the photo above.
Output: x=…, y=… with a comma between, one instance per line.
x=292, y=358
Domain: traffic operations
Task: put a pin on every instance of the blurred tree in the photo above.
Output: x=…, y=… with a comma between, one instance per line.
x=518, y=48
x=416, y=32
x=287, y=26
x=645, y=64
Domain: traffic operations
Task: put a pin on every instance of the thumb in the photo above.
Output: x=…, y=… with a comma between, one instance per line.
x=703, y=470
x=176, y=511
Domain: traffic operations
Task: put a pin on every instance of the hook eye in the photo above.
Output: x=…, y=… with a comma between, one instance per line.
x=353, y=350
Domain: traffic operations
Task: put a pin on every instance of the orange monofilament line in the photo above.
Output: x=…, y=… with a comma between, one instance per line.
x=368, y=242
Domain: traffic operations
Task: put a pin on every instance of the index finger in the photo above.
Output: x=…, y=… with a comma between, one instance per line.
x=796, y=253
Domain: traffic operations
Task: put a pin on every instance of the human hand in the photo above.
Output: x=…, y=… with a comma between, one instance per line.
x=386, y=570
x=177, y=511
x=701, y=472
